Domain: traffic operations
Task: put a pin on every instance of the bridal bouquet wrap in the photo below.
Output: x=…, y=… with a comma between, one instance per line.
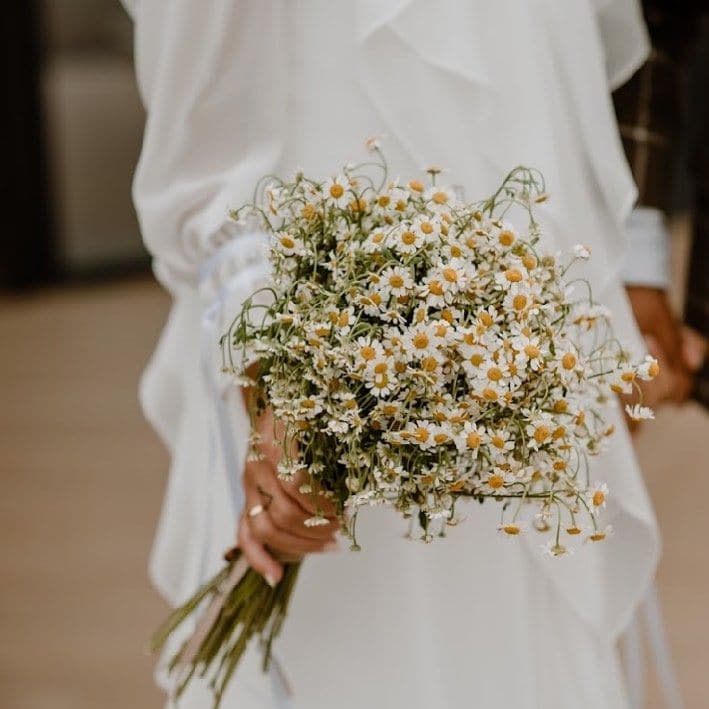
x=417, y=349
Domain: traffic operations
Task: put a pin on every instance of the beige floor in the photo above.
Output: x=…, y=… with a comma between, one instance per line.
x=82, y=478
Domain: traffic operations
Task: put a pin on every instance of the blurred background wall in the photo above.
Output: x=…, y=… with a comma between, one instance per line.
x=82, y=474
x=73, y=126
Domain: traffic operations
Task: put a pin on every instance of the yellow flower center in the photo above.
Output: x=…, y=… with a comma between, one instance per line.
x=384, y=200
x=447, y=315
x=513, y=275
x=531, y=351
x=496, y=481
x=409, y=238
x=336, y=191
x=422, y=434
x=420, y=341
x=441, y=330
x=456, y=251
x=308, y=404
x=541, y=434
x=287, y=242
x=498, y=442
x=506, y=237
x=559, y=465
x=367, y=353
x=450, y=274
x=440, y=197
x=490, y=394
x=476, y=359
x=599, y=497
x=426, y=227
x=486, y=319
x=568, y=361
x=654, y=369
x=435, y=288
x=440, y=438
x=378, y=237
x=396, y=281
x=472, y=440
x=494, y=374
x=529, y=262
x=416, y=186
x=573, y=530
x=308, y=211
x=628, y=376
x=560, y=407
x=389, y=409
x=380, y=368
x=519, y=302
x=512, y=529
x=429, y=364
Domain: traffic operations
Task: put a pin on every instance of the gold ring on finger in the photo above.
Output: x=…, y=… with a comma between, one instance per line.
x=256, y=510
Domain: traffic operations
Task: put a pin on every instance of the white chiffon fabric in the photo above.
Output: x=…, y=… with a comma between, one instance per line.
x=235, y=90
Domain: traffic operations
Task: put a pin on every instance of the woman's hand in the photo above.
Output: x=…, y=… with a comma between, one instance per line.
x=272, y=526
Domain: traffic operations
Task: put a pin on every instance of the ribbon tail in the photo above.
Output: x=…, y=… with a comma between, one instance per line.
x=207, y=619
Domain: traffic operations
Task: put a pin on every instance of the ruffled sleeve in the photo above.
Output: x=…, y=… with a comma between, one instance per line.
x=203, y=74
x=203, y=77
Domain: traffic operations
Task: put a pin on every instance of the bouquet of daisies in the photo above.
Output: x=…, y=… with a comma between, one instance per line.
x=416, y=349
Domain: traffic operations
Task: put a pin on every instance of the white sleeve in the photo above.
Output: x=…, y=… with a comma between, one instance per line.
x=212, y=81
x=647, y=257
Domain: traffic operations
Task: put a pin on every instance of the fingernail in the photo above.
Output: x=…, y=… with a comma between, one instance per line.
x=270, y=580
x=332, y=546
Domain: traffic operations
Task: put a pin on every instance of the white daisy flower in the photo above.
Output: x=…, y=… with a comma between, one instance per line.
x=555, y=549
x=396, y=281
x=581, y=252
x=288, y=244
x=649, y=369
x=471, y=437
x=597, y=496
x=513, y=528
x=337, y=191
x=500, y=442
x=639, y=413
x=405, y=240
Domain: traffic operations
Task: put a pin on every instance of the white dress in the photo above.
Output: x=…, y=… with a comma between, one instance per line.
x=238, y=89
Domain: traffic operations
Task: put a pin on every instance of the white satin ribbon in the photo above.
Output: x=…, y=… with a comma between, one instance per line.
x=242, y=248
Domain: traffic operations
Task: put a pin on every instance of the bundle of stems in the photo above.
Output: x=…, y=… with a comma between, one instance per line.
x=237, y=605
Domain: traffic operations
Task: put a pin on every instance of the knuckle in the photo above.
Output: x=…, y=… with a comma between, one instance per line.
x=285, y=516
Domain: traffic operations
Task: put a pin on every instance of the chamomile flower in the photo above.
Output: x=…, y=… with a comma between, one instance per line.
x=440, y=199
x=597, y=496
x=495, y=481
x=513, y=528
x=419, y=341
x=396, y=281
x=337, y=191
x=649, y=369
x=471, y=437
x=501, y=442
x=639, y=413
x=288, y=244
x=405, y=240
